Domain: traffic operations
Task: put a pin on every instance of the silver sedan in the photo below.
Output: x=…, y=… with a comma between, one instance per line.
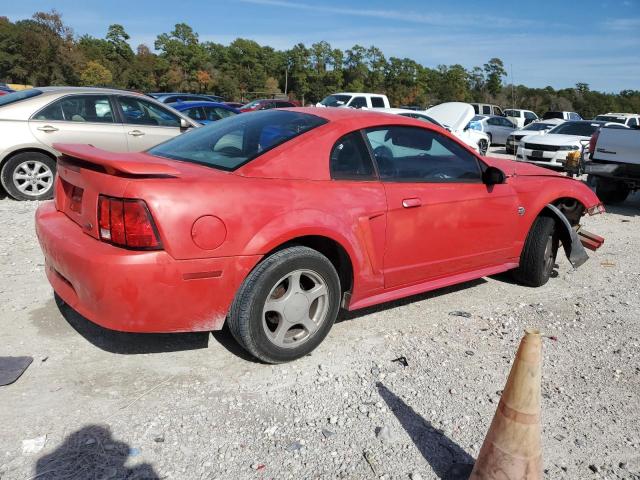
x=498, y=128
x=33, y=120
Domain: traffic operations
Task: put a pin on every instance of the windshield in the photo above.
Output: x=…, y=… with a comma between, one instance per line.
x=538, y=126
x=549, y=115
x=335, y=100
x=231, y=142
x=583, y=129
x=609, y=118
x=18, y=96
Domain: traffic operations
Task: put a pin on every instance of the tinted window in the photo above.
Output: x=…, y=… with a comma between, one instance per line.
x=633, y=122
x=585, y=129
x=335, y=100
x=216, y=113
x=494, y=121
x=377, y=102
x=549, y=115
x=530, y=115
x=78, y=108
x=486, y=110
x=18, y=96
x=358, y=102
x=506, y=123
x=234, y=141
x=497, y=111
x=409, y=154
x=137, y=111
x=350, y=159
x=284, y=105
x=475, y=109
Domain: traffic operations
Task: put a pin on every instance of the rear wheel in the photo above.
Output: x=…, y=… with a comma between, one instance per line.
x=29, y=176
x=611, y=191
x=539, y=253
x=286, y=306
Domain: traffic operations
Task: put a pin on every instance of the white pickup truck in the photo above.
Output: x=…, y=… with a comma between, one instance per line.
x=355, y=100
x=614, y=162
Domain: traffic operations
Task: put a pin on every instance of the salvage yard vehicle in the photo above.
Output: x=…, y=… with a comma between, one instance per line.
x=487, y=109
x=497, y=128
x=205, y=112
x=521, y=118
x=355, y=100
x=541, y=127
x=614, y=162
x=627, y=119
x=452, y=116
x=271, y=221
x=561, y=115
x=551, y=150
x=166, y=97
x=33, y=120
x=266, y=104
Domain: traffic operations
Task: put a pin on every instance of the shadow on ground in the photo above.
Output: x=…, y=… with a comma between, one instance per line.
x=448, y=460
x=92, y=453
x=131, y=343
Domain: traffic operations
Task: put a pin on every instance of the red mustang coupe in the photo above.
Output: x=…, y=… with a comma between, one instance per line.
x=274, y=220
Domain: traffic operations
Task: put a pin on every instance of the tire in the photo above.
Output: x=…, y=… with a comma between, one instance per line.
x=483, y=146
x=539, y=253
x=29, y=176
x=279, y=294
x=611, y=191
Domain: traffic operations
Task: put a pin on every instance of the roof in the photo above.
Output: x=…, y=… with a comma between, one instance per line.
x=52, y=90
x=358, y=93
x=620, y=115
x=198, y=103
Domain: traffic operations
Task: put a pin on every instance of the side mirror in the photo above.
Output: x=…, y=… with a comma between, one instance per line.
x=493, y=176
x=184, y=125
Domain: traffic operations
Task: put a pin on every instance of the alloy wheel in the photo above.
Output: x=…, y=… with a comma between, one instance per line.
x=33, y=178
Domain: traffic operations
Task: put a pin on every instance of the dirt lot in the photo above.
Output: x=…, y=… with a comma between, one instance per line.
x=192, y=406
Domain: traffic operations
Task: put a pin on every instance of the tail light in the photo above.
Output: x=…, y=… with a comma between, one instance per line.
x=592, y=143
x=127, y=223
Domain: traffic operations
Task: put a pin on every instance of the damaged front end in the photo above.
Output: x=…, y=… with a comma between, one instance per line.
x=574, y=238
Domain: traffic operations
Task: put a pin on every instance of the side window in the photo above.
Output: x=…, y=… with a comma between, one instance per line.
x=498, y=111
x=633, y=122
x=506, y=123
x=410, y=154
x=137, y=111
x=494, y=121
x=530, y=116
x=475, y=108
x=486, y=110
x=350, y=159
x=194, y=112
x=358, y=102
x=211, y=114
x=79, y=108
x=222, y=113
x=284, y=105
x=377, y=102
x=268, y=105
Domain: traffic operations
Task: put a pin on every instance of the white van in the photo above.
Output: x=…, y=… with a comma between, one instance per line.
x=521, y=118
x=355, y=100
x=487, y=109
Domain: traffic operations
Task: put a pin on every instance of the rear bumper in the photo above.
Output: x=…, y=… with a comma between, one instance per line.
x=136, y=291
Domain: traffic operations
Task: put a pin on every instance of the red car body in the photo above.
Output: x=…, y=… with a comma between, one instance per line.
x=215, y=226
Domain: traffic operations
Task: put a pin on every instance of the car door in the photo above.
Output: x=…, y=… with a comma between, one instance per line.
x=146, y=123
x=441, y=219
x=82, y=118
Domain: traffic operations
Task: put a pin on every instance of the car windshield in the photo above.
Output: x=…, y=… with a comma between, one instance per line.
x=609, y=118
x=537, y=126
x=549, y=115
x=583, y=129
x=335, y=100
x=230, y=143
x=19, y=95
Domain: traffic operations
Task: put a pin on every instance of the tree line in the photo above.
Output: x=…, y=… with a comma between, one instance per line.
x=43, y=50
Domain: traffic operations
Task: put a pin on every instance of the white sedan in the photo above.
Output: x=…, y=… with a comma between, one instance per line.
x=551, y=150
x=541, y=127
x=452, y=116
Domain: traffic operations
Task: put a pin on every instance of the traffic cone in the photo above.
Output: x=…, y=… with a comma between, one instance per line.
x=512, y=449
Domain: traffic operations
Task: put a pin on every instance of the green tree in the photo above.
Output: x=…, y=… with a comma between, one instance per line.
x=494, y=70
x=96, y=75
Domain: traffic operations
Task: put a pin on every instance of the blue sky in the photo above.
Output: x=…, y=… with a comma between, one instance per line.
x=542, y=42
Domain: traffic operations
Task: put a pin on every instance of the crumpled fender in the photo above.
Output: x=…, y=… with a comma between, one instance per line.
x=572, y=245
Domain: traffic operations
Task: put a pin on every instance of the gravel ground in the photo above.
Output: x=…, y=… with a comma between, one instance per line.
x=193, y=406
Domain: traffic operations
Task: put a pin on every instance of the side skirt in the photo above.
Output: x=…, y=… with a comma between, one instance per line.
x=407, y=291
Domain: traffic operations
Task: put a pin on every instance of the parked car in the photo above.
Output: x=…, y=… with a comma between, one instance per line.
x=477, y=140
x=487, y=109
x=219, y=225
x=205, y=112
x=536, y=128
x=34, y=119
x=234, y=104
x=497, y=128
x=521, y=118
x=267, y=104
x=355, y=100
x=5, y=90
x=551, y=150
x=627, y=119
x=614, y=162
x=561, y=115
x=163, y=97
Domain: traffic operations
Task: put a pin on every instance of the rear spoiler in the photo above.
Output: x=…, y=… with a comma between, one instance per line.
x=120, y=164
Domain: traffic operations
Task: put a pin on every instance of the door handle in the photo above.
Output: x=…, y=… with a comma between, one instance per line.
x=411, y=202
x=136, y=133
x=47, y=128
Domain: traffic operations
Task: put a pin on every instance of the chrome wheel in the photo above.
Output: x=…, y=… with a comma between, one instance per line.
x=33, y=178
x=295, y=308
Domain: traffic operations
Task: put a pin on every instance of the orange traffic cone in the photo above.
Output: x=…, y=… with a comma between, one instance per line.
x=512, y=449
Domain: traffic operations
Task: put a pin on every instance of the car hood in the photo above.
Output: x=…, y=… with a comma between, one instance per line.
x=521, y=169
x=558, y=139
x=455, y=115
